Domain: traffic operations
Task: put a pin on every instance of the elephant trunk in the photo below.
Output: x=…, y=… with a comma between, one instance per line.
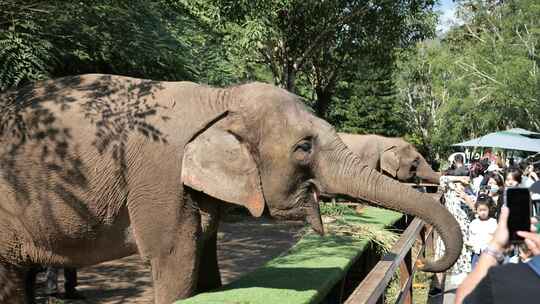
x=346, y=174
x=426, y=173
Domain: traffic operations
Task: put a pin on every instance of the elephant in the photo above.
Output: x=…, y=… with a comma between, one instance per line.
x=96, y=167
x=392, y=155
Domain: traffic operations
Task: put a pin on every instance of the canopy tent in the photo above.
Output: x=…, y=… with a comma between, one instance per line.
x=523, y=132
x=513, y=139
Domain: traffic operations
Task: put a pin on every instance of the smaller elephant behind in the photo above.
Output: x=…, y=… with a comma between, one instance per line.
x=391, y=155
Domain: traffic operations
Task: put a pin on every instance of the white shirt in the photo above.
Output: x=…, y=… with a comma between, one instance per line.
x=481, y=232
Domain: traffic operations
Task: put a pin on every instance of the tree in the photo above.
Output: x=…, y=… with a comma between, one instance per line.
x=368, y=105
x=316, y=43
x=423, y=81
x=147, y=39
x=481, y=77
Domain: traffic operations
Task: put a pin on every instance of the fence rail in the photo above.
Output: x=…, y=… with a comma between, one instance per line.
x=372, y=288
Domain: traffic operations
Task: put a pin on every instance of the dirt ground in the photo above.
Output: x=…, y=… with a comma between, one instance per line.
x=243, y=246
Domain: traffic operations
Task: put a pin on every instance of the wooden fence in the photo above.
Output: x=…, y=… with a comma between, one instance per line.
x=372, y=288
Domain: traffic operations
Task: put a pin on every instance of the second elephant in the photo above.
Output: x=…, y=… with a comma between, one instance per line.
x=391, y=155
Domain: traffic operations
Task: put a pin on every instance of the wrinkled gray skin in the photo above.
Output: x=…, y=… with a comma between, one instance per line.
x=391, y=155
x=98, y=167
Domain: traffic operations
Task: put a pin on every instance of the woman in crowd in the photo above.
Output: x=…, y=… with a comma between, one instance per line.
x=513, y=178
x=529, y=175
x=476, y=174
x=495, y=188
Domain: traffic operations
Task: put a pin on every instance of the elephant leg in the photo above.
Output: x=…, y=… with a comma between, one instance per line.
x=171, y=247
x=209, y=209
x=174, y=275
x=209, y=277
x=165, y=221
x=12, y=284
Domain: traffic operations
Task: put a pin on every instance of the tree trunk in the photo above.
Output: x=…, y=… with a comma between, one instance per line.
x=288, y=76
x=322, y=104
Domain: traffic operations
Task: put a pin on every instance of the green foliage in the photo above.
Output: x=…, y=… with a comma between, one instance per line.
x=23, y=58
x=24, y=54
x=367, y=106
x=481, y=77
x=148, y=39
x=309, y=47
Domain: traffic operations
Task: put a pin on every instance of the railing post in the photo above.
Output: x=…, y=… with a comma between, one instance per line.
x=430, y=241
x=405, y=268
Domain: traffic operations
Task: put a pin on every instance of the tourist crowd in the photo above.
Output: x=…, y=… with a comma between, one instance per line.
x=473, y=193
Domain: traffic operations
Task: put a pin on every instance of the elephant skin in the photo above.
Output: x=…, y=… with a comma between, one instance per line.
x=96, y=167
x=392, y=155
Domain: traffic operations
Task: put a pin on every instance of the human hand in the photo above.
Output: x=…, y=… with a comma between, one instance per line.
x=532, y=239
x=501, y=236
x=460, y=193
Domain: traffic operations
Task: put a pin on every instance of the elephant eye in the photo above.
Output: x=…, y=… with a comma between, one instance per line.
x=303, y=151
x=304, y=146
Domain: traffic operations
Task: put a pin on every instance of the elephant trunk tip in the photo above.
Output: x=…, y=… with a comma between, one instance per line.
x=431, y=266
x=451, y=254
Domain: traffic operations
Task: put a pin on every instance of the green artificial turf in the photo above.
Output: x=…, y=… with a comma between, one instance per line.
x=304, y=274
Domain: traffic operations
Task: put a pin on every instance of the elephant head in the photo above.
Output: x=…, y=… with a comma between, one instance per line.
x=404, y=162
x=267, y=150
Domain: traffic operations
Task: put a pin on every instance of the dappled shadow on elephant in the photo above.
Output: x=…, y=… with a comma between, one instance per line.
x=31, y=133
x=116, y=108
x=34, y=134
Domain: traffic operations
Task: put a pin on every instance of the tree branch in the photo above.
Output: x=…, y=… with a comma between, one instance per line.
x=316, y=42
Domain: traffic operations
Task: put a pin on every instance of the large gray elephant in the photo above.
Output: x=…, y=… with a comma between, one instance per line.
x=97, y=167
x=391, y=155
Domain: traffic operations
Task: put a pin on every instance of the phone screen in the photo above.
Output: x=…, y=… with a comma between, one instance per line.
x=518, y=200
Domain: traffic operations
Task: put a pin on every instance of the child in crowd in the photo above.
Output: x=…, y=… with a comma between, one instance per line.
x=525, y=254
x=482, y=228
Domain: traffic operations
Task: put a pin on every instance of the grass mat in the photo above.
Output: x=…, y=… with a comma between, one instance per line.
x=305, y=273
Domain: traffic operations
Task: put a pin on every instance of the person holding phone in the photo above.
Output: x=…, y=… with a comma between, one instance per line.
x=509, y=283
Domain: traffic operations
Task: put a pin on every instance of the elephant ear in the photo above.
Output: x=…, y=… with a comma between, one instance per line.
x=217, y=163
x=390, y=161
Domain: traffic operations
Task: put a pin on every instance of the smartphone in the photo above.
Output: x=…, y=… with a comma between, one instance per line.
x=518, y=200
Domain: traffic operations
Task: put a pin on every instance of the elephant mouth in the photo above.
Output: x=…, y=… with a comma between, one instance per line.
x=305, y=207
